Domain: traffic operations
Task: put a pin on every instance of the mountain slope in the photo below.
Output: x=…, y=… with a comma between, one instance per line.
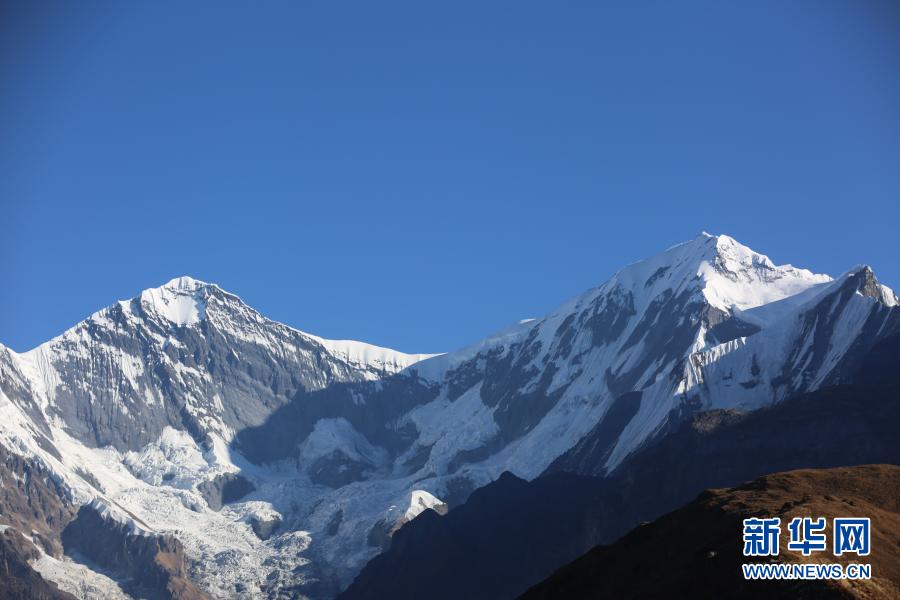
x=145, y=397
x=512, y=533
x=696, y=550
x=284, y=462
x=186, y=355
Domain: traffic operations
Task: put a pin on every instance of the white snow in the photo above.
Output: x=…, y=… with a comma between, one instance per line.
x=362, y=354
x=339, y=436
x=180, y=301
x=78, y=579
x=740, y=278
x=420, y=501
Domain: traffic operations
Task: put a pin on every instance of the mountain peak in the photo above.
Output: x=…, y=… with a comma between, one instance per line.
x=735, y=257
x=725, y=248
x=862, y=277
x=735, y=276
x=185, y=283
x=181, y=300
x=727, y=273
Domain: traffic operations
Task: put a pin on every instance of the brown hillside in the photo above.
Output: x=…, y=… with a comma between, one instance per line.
x=695, y=551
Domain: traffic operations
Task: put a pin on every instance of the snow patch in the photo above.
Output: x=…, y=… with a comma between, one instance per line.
x=78, y=579
x=179, y=301
x=363, y=354
x=419, y=502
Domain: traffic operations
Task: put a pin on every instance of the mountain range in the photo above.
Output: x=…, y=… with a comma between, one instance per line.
x=180, y=444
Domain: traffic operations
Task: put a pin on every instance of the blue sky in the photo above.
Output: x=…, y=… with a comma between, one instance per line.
x=418, y=175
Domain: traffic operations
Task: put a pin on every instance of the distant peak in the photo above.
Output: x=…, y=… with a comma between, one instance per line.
x=730, y=250
x=719, y=248
x=727, y=273
x=726, y=252
x=723, y=243
x=185, y=283
x=737, y=276
x=726, y=241
x=863, y=278
x=177, y=300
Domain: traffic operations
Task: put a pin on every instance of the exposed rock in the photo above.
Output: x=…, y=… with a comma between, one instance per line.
x=335, y=522
x=224, y=488
x=380, y=534
x=177, y=352
x=17, y=579
x=151, y=566
x=264, y=528
x=33, y=501
x=336, y=470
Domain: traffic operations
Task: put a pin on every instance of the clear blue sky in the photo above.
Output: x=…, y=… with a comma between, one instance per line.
x=418, y=175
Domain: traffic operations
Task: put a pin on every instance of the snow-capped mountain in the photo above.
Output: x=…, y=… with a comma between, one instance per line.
x=186, y=355
x=283, y=462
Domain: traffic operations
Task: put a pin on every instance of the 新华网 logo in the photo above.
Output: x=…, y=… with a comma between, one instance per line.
x=806, y=535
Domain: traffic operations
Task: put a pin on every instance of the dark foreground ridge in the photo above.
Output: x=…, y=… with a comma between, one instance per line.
x=696, y=551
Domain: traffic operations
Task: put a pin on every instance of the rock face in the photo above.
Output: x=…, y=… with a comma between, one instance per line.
x=150, y=566
x=17, y=578
x=224, y=488
x=152, y=403
x=34, y=502
x=695, y=552
x=186, y=355
x=264, y=528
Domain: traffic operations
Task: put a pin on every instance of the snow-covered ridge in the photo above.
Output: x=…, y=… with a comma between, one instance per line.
x=113, y=378
x=729, y=274
x=361, y=353
x=183, y=302
x=747, y=279
x=715, y=269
